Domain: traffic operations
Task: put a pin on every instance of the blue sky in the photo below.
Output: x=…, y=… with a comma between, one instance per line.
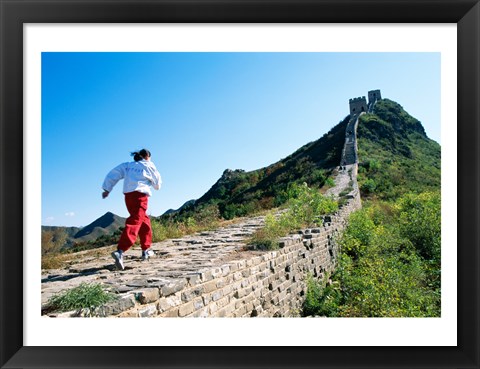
x=201, y=113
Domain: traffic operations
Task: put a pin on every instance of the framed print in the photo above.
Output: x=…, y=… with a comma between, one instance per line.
x=40, y=39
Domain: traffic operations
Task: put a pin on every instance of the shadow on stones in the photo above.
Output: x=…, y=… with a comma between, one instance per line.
x=84, y=272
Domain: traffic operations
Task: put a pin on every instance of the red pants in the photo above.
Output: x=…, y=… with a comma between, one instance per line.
x=138, y=223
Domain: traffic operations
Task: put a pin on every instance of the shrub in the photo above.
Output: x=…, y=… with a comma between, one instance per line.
x=305, y=208
x=330, y=182
x=382, y=269
x=234, y=210
x=420, y=222
x=53, y=241
x=358, y=234
x=162, y=230
x=267, y=237
x=312, y=303
x=323, y=298
x=206, y=218
x=368, y=186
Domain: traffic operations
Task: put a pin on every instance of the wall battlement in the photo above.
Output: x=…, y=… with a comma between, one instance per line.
x=373, y=97
x=358, y=105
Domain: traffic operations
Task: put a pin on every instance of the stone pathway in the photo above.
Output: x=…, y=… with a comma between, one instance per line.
x=342, y=181
x=175, y=260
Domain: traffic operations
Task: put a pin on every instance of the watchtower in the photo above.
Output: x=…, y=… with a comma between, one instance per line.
x=358, y=105
x=373, y=96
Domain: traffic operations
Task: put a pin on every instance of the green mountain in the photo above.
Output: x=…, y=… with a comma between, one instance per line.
x=239, y=193
x=395, y=155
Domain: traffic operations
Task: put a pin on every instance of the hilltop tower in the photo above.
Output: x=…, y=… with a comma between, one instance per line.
x=358, y=105
x=373, y=96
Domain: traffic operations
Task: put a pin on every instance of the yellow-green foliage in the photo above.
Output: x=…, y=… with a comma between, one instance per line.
x=389, y=264
x=53, y=241
x=206, y=218
x=304, y=209
x=420, y=222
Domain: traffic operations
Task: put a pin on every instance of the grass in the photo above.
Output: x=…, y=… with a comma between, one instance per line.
x=61, y=260
x=84, y=296
x=54, y=261
x=346, y=191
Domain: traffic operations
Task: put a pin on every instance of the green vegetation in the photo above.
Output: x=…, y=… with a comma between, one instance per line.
x=390, y=260
x=305, y=208
x=385, y=268
x=103, y=240
x=396, y=157
x=84, y=296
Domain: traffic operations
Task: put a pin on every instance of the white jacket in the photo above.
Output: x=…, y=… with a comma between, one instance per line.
x=137, y=175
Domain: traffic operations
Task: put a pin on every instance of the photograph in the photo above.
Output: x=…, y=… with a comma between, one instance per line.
x=266, y=184
x=289, y=187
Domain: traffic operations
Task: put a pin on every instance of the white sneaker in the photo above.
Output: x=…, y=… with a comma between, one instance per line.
x=147, y=254
x=118, y=257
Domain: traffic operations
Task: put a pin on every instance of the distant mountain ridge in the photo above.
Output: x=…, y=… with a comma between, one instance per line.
x=105, y=225
x=70, y=231
x=186, y=204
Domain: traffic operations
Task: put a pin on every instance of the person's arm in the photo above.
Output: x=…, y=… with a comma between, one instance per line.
x=154, y=176
x=158, y=180
x=112, y=178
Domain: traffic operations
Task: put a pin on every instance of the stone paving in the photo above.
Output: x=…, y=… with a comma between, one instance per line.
x=175, y=260
x=342, y=181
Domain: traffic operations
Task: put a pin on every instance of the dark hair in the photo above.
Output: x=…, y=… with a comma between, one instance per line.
x=142, y=154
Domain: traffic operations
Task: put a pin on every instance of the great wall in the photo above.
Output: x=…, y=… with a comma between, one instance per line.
x=211, y=274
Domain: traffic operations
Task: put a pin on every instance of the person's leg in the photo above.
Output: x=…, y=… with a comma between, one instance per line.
x=145, y=233
x=133, y=200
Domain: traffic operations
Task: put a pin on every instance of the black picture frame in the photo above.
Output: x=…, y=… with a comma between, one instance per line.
x=15, y=13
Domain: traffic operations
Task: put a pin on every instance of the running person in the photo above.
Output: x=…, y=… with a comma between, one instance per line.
x=139, y=175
